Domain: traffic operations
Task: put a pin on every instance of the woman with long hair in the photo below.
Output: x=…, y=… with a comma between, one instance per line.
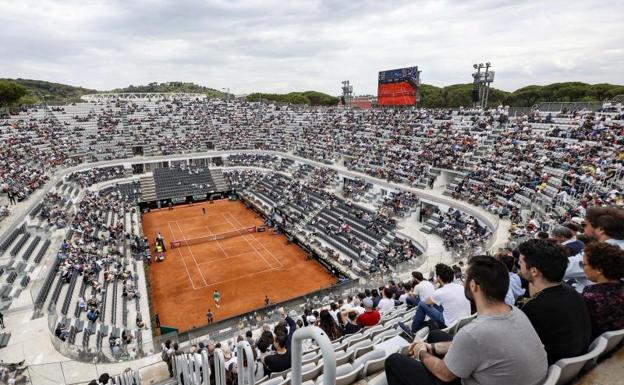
x=329, y=325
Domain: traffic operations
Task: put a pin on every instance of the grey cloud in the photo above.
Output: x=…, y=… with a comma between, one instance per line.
x=270, y=45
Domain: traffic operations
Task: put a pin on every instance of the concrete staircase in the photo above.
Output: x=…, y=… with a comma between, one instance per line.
x=217, y=177
x=148, y=188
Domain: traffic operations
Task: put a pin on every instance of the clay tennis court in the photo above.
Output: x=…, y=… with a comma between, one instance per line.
x=243, y=268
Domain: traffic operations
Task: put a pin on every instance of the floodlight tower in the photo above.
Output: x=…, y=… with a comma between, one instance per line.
x=347, y=93
x=481, y=84
x=476, y=85
x=489, y=78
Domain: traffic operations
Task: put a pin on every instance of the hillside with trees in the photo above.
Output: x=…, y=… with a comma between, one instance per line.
x=175, y=87
x=10, y=93
x=14, y=92
x=460, y=94
x=312, y=98
x=38, y=90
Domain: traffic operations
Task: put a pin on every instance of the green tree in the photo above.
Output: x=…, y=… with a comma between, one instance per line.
x=527, y=96
x=320, y=99
x=29, y=99
x=10, y=92
x=431, y=96
x=297, y=98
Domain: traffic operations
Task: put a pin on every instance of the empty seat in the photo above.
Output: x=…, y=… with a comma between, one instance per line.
x=342, y=371
x=614, y=338
x=571, y=367
x=554, y=373
x=361, y=348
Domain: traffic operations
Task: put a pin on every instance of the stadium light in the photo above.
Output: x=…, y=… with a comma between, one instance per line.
x=347, y=93
x=482, y=83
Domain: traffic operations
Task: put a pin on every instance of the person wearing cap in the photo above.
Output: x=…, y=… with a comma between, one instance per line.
x=370, y=317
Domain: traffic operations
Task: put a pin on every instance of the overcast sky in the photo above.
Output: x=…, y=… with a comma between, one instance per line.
x=283, y=45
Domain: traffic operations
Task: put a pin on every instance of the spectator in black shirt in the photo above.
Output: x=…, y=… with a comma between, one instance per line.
x=351, y=326
x=280, y=361
x=375, y=297
x=557, y=312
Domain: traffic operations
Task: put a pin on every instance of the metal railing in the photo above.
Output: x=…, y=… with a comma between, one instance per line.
x=195, y=368
x=78, y=373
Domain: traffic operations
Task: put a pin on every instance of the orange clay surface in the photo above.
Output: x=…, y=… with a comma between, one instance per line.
x=242, y=268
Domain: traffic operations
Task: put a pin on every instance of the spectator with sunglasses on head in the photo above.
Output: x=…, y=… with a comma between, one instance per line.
x=602, y=224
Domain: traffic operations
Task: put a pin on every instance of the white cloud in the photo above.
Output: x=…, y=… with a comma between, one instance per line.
x=279, y=46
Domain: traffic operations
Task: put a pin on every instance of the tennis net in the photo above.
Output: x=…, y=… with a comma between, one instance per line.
x=213, y=237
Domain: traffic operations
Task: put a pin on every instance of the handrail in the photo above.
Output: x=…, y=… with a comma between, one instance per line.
x=245, y=373
x=194, y=368
x=206, y=367
x=329, y=356
x=219, y=365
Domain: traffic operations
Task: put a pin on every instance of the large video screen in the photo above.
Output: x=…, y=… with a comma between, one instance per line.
x=396, y=94
x=398, y=87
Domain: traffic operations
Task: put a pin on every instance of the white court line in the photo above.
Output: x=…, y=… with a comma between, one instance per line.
x=242, y=276
x=261, y=244
x=256, y=250
x=198, y=216
x=218, y=244
x=185, y=267
x=208, y=228
x=192, y=255
x=270, y=253
x=223, y=259
x=226, y=280
x=234, y=218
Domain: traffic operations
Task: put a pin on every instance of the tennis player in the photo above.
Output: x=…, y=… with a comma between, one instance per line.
x=216, y=297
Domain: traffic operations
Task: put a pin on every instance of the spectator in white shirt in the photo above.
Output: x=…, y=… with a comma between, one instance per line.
x=423, y=289
x=334, y=310
x=357, y=306
x=386, y=304
x=446, y=305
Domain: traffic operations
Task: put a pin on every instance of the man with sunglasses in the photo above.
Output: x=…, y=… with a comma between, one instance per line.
x=602, y=224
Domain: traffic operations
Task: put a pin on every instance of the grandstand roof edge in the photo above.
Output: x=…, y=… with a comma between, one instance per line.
x=141, y=95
